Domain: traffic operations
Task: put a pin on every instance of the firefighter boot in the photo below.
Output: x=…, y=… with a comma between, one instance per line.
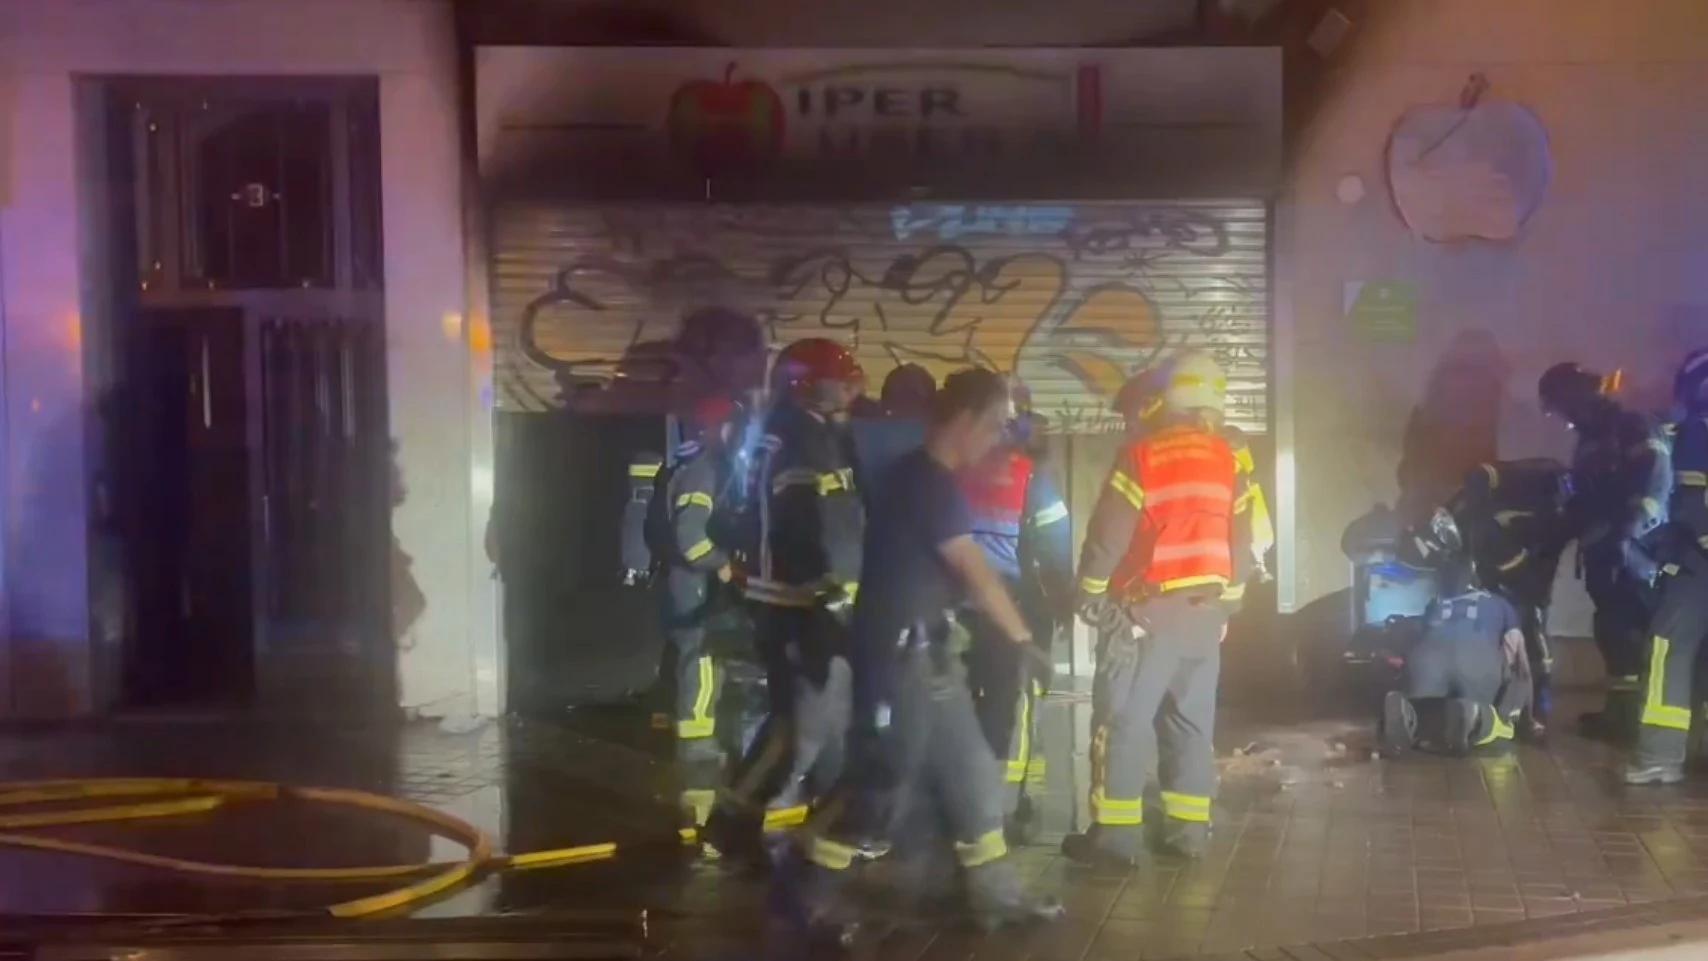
x=1021, y=828
x=996, y=897
x=1399, y=725
x=1102, y=847
x=1184, y=840
x=1641, y=773
x=736, y=840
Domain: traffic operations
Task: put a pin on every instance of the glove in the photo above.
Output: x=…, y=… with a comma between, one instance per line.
x=1102, y=614
x=1037, y=666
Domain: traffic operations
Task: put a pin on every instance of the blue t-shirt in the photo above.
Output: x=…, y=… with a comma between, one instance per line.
x=918, y=507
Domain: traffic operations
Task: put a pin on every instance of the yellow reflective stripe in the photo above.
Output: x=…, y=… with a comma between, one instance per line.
x=1234, y=592
x=1628, y=682
x=1116, y=813
x=1500, y=729
x=1504, y=518
x=830, y=855
x=644, y=470
x=698, y=550
x=694, y=730
x=1262, y=524
x=1650, y=506
x=1518, y=559
x=1654, y=444
x=778, y=819
x=1186, y=807
x=703, y=700
x=1094, y=585
x=1178, y=492
x=1243, y=462
x=1198, y=581
x=1690, y=478
x=1050, y=515
x=1022, y=743
x=1656, y=712
x=1128, y=488
x=839, y=480
x=694, y=498
x=793, y=477
x=986, y=849
x=1209, y=547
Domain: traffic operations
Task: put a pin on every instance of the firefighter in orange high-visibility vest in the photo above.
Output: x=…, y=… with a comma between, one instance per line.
x=1158, y=559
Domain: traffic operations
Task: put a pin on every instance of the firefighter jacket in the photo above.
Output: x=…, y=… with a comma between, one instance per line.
x=636, y=547
x=1512, y=517
x=683, y=511
x=1021, y=521
x=1621, y=475
x=1254, y=528
x=806, y=518
x=1687, y=507
x=1164, y=522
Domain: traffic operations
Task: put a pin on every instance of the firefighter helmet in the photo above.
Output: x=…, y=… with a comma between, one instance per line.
x=907, y=391
x=1195, y=383
x=711, y=415
x=1690, y=384
x=806, y=367
x=1571, y=391
x=1140, y=398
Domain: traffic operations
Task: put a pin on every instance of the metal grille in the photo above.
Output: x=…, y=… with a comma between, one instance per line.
x=624, y=307
x=324, y=462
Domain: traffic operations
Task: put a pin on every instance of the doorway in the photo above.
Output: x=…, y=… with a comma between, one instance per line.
x=245, y=464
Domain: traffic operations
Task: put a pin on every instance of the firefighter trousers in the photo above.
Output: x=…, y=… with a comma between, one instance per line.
x=1006, y=702
x=690, y=677
x=940, y=767
x=1472, y=671
x=797, y=753
x=1675, y=646
x=1154, y=702
x=1620, y=625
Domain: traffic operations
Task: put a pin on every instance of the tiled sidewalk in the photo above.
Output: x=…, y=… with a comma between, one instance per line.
x=1315, y=843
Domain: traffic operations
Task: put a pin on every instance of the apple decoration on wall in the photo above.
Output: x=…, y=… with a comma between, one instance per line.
x=720, y=124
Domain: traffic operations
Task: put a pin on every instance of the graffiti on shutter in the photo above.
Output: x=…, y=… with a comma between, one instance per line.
x=635, y=307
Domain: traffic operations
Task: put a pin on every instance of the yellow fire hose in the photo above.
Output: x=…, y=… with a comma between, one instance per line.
x=173, y=797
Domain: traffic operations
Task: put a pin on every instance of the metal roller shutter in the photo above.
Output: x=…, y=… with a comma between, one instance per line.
x=625, y=305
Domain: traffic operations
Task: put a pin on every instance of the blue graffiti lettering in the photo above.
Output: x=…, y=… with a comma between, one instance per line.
x=954, y=221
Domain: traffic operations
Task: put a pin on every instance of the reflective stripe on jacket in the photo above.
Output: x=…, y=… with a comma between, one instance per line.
x=1182, y=482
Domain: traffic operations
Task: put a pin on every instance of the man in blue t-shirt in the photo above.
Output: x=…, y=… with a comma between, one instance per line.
x=916, y=738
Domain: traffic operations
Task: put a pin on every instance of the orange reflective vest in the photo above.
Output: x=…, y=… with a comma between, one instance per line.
x=1184, y=479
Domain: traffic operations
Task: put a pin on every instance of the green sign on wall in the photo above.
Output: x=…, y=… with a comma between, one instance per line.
x=1382, y=310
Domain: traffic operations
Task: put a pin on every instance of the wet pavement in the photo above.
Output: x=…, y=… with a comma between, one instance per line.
x=1315, y=841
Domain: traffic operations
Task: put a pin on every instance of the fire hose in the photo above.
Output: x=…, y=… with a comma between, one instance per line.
x=146, y=798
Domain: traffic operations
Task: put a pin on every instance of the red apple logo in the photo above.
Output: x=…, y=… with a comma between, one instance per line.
x=724, y=123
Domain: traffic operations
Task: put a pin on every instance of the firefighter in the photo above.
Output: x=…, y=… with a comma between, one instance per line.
x=1513, y=517
x=1021, y=522
x=1158, y=559
x=802, y=531
x=1140, y=404
x=1619, y=474
x=1669, y=549
x=916, y=738
x=694, y=568
x=1467, y=679
x=907, y=392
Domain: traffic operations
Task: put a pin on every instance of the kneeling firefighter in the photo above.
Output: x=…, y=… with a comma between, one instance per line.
x=1618, y=467
x=1159, y=555
x=1670, y=551
x=694, y=571
x=1021, y=523
x=802, y=531
x=1513, y=518
x=916, y=739
x=1467, y=679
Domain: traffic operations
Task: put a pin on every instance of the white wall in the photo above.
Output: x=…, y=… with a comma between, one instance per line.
x=434, y=391
x=1617, y=251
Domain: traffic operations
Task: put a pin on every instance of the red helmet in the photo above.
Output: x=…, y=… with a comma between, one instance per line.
x=806, y=364
x=712, y=412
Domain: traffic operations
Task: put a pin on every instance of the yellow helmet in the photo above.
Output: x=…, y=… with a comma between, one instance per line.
x=1195, y=383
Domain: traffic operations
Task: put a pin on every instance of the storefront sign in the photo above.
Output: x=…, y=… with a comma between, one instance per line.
x=909, y=110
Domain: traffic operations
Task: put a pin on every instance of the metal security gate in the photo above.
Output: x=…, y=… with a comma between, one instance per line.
x=324, y=459
x=624, y=307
